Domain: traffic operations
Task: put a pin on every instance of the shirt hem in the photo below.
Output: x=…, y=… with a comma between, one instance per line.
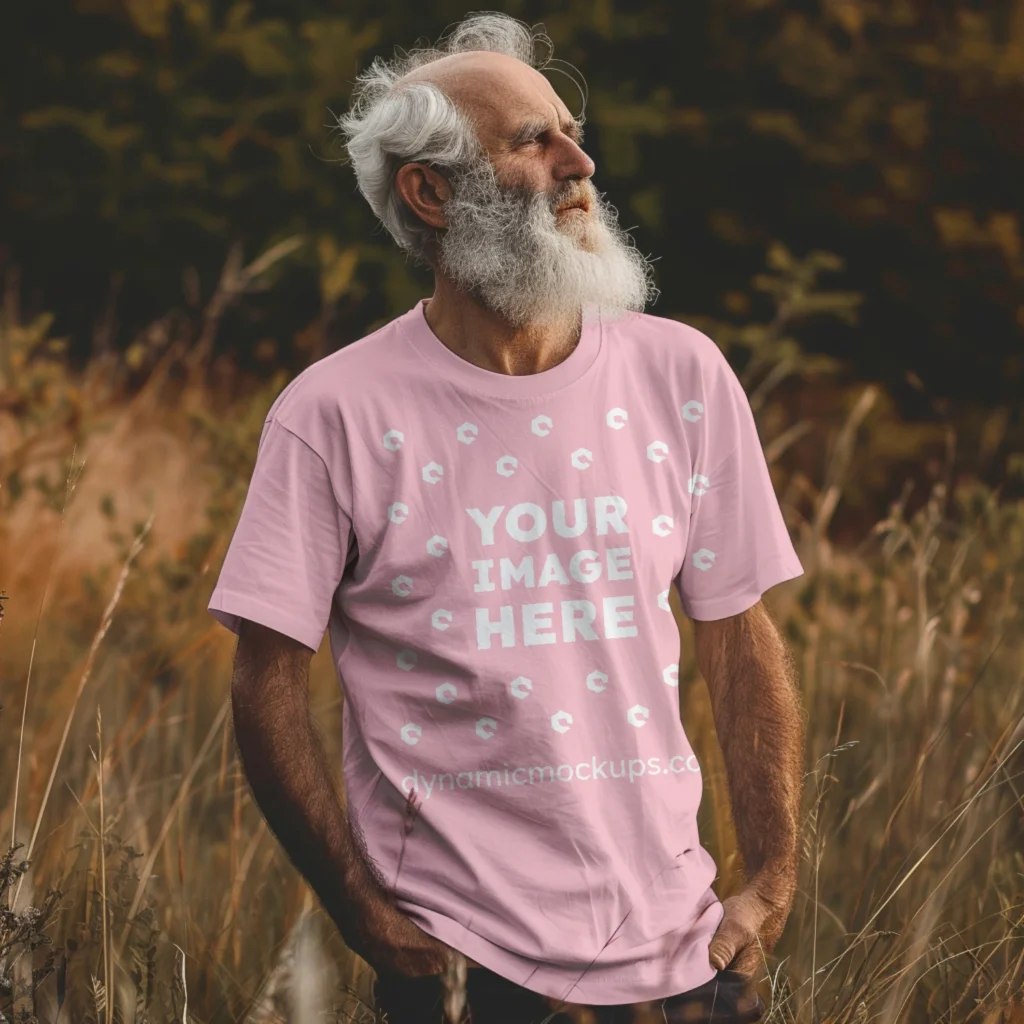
x=598, y=985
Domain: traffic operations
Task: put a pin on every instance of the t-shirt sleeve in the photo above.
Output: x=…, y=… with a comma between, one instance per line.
x=287, y=554
x=738, y=545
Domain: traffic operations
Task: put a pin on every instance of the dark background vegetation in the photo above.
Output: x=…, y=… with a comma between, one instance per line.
x=140, y=138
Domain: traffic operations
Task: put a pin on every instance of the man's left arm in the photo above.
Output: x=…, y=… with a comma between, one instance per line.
x=760, y=721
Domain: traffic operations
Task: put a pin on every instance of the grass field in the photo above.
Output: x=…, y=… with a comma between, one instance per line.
x=116, y=722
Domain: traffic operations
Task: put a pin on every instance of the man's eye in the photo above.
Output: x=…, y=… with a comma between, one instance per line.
x=530, y=142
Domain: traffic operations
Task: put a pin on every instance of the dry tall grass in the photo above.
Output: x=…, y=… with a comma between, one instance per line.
x=115, y=723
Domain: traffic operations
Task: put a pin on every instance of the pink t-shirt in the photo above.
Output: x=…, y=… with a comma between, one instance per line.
x=492, y=556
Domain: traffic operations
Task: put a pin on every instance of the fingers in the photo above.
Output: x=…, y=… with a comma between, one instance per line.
x=748, y=961
x=741, y=921
x=728, y=939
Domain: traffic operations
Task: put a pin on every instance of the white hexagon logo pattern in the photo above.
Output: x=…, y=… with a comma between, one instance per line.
x=560, y=721
x=467, y=432
x=670, y=673
x=637, y=715
x=656, y=451
x=446, y=693
x=411, y=734
x=704, y=559
x=616, y=418
x=698, y=484
x=401, y=586
x=437, y=545
x=520, y=687
x=582, y=458
x=662, y=525
x=398, y=512
x=406, y=660
x=393, y=440
x=692, y=410
x=432, y=472
x=663, y=601
x=541, y=425
x=596, y=681
x=441, y=619
x=485, y=728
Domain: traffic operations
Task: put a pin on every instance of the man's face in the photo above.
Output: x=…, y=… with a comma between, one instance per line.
x=505, y=242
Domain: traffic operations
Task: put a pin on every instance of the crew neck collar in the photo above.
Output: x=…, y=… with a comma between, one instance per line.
x=461, y=371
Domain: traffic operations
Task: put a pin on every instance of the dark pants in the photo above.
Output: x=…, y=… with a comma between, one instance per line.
x=728, y=998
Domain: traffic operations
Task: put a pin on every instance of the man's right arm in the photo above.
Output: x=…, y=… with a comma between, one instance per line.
x=290, y=776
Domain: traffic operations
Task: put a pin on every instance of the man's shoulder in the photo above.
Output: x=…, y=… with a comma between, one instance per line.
x=671, y=345
x=335, y=381
x=321, y=400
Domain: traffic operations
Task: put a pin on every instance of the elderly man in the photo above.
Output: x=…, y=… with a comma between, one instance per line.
x=486, y=502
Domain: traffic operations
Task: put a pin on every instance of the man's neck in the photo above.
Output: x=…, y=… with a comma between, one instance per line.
x=483, y=339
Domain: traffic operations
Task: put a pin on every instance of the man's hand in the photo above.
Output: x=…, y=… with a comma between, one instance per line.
x=391, y=943
x=751, y=925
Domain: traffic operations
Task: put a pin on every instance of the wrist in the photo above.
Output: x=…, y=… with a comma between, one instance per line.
x=358, y=892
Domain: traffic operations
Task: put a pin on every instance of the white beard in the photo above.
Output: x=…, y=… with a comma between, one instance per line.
x=517, y=258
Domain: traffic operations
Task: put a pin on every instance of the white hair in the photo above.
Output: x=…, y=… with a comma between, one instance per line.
x=392, y=123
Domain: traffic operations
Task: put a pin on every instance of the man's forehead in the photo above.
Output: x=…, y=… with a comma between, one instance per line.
x=502, y=89
x=471, y=65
